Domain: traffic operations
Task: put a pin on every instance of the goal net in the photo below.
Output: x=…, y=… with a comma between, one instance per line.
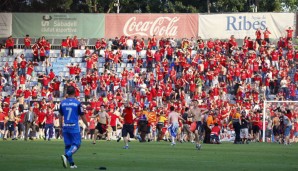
x=273, y=112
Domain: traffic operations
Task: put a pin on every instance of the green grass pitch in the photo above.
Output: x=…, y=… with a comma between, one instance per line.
x=45, y=156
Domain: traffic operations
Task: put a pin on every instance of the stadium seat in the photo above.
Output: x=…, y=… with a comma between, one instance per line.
x=84, y=70
x=66, y=74
x=143, y=69
x=4, y=59
x=10, y=59
x=37, y=69
x=65, y=69
x=79, y=60
x=101, y=60
x=119, y=70
x=101, y=70
x=52, y=59
x=123, y=65
x=73, y=60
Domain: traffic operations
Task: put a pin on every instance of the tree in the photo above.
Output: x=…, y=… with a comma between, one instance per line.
x=269, y=6
x=290, y=5
x=228, y=5
x=148, y=6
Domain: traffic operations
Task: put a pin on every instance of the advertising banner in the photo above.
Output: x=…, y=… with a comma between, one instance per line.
x=147, y=25
x=5, y=24
x=222, y=26
x=57, y=25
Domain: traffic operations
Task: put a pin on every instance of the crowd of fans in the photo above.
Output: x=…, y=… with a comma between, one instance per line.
x=231, y=80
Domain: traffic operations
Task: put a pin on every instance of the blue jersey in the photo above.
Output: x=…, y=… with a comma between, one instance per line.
x=71, y=109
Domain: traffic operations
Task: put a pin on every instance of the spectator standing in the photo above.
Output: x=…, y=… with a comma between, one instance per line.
x=128, y=127
x=27, y=42
x=49, y=123
x=74, y=45
x=236, y=121
x=9, y=45
x=266, y=35
x=29, y=122
x=289, y=33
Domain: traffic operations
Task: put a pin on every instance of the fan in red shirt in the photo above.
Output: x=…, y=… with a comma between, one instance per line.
x=266, y=35
x=10, y=45
x=128, y=127
x=49, y=123
x=64, y=47
x=113, y=121
x=72, y=70
x=258, y=36
x=289, y=33
x=74, y=45
x=78, y=71
x=215, y=131
x=41, y=114
x=255, y=125
x=27, y=42
x=23, y=65
x=97, y=47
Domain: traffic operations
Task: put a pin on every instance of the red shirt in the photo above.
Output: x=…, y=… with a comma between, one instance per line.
x=23, y=64
x=215, y=130
x=27, y=94
x=289, y=33
x=22, y=79
x=34, y=93
x=2, y=116
x=9, y=43
x=258, y=34
x=72, y=70
x=51, y=75
x=89, y=63
x=41, y=115
x=50, y=118
x=30, y=70
x=266, y=34
x=128, y=117
x=27, y=41
x=113, y=119
x=74, y=43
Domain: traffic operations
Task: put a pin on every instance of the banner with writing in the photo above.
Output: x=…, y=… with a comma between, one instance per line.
x=5, y=24
x=222, y=26
x=58, y=25
x=147, y=25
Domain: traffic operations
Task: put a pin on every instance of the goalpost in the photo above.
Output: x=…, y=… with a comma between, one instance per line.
x=292, y=105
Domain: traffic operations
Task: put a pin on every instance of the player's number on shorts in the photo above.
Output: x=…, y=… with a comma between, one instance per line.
x=69, y=110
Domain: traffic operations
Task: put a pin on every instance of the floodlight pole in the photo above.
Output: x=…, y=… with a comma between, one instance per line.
x=118, y=6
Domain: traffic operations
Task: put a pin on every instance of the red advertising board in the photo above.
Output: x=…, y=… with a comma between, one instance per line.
x=147, y=25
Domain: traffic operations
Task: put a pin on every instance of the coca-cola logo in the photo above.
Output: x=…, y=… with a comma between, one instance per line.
x=161, y=26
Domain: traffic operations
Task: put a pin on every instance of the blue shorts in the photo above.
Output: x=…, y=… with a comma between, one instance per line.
x=1, y=125
x=10, y=125
x=173, y=129
x=200, y=127
x=72, y=138
x=288, y=130
x=128, y=129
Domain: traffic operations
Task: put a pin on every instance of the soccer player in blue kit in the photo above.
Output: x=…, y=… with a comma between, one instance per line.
x=70, y=110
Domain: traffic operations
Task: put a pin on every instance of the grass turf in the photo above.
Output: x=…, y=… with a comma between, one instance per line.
x=43, y=155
